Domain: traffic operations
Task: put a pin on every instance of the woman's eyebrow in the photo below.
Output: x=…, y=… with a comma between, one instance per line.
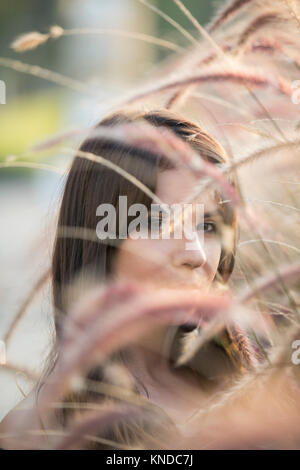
x=157, y=208
x=211, y=214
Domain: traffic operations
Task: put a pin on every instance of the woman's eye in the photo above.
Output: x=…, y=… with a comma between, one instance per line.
x=207, y=227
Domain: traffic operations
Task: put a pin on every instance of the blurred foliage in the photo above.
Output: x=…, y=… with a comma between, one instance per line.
x=27, y=120
x=16, y=18
x=201, y=9
x=34, y=108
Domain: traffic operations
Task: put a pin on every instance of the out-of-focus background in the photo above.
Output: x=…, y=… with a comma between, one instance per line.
x=108, y=66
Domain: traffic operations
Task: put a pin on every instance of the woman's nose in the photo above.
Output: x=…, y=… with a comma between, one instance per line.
x=189, y=254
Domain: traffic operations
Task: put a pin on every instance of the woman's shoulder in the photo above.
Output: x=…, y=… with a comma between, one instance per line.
x=21, y=420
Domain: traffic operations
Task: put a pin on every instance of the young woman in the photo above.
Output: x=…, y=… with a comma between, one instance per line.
x=159, y=263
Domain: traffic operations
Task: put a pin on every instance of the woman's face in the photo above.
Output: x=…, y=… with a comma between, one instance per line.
x=168, y=262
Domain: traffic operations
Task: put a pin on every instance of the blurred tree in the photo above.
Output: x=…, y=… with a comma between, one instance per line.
x=17, y=18
x=201, y=9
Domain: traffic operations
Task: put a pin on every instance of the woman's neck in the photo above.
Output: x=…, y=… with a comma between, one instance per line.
x=176, y=391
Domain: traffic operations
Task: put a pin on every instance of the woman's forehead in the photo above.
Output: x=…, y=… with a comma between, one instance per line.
x=176, y=186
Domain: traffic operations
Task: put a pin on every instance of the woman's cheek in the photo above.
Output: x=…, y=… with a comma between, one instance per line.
x=142, y=259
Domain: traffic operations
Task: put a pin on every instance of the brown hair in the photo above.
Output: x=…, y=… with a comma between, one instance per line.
x=90, y=184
